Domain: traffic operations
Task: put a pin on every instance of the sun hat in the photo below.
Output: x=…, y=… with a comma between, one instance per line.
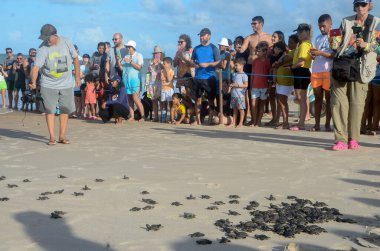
x=157, y=49
x=223, y=42
x=131, y=43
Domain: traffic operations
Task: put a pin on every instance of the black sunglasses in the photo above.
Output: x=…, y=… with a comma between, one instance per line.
x=360, y=4
x=8, y=52
x=180, y=42
x=115, y=39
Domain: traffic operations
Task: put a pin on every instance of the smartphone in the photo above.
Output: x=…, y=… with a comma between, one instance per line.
x=335, y=33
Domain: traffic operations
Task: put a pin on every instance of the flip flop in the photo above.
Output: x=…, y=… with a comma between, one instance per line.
x=296, y=128
x=64, y=141
x=339, y=146
x=52, y=142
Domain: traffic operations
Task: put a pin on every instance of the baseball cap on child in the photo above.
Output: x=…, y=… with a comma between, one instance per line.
x=46, y=31
x=223, y=42
x=303, y=27
x=131, y=43
x=116, y=78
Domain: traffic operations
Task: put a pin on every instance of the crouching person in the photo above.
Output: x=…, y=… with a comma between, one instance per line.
x=117, y=106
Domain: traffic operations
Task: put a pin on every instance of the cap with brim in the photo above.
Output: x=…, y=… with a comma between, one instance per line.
x=46, y=31
x=131, y=43
x=205, y=31
x=362, y=1
x=223, y=42
x=302, y=27
x=157, y=49
x=116, y=78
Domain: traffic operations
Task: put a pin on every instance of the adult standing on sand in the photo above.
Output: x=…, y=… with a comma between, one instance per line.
x=54, y=59
x=118, y=52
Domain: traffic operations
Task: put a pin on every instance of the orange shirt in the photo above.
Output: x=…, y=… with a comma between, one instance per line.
x=261, y=67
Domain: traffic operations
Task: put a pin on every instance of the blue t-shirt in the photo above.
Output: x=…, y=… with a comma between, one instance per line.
x=205, y=54
x=239, y=78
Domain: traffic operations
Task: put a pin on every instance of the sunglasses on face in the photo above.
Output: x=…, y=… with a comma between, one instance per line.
x=181, y=42
x=360, y=4
x=19, y=58
x=254, y=23
x=9, y=52
x=115, y=39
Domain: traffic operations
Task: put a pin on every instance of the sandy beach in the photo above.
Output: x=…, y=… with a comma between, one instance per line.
x=172, y=162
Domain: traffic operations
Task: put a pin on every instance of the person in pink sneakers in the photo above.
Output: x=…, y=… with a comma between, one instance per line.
x=356, y=48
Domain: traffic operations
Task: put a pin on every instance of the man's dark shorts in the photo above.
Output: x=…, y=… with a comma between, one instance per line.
x=201, y=85
x=10, y=85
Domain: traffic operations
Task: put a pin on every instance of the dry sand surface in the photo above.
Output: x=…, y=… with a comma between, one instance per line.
x=172, y=162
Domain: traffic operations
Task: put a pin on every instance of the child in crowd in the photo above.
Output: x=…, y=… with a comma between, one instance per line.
x=227, y=118
x=238, y=89
x=90, y=100
x=260, y=68
x=167, y=88
x=179, y=112
x=3, y=85
x=284, y=86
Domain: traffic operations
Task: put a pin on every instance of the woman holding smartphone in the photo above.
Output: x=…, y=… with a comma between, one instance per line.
x=357, y=43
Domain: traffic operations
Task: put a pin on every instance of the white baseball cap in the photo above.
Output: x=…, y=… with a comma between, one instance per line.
x=224, y=42
x=131, y=43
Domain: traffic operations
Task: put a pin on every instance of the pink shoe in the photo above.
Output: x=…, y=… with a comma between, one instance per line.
x=353, y=144
x=339, y=146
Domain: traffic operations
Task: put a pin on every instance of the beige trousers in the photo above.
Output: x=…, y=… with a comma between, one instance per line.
x=347, y=104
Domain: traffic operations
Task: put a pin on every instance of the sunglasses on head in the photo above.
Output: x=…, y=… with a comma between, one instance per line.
x=360, y=4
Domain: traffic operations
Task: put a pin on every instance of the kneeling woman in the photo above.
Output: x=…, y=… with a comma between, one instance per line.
x=117, y=107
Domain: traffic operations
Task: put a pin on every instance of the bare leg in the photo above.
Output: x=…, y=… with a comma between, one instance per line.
x=155, y=110
x=318, y=93
x=3, y=98
x=376, y=109
x=235, y=114
x=50, y=124
x=303, y=107
x=254, y=112
x=328, y=110
x=131, y=107
x=272, y=102
x=15, y=99
x=241, y=118
x=261, y=112
x=63, y=118
x=10, y=98
x=137, y=101
x=198, y=111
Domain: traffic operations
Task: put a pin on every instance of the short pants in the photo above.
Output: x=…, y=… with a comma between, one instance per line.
x=303, y=80
x=238, y=103
x=284, y=90
x=63, y=97
x=166, y=95
x=321, y=79
x=207, y=85
x=260, y=93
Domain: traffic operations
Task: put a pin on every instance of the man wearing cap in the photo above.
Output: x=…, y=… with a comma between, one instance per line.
x=54, y=58
x=117, y=52
x=205, y=58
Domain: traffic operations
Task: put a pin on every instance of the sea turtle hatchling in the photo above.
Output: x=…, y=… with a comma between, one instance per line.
x=176, y=203
x=46, y=193
x=43, y=198
x=61, y=176
x=59, y=191
x=78, y=194
x=149, y=201
x=197, y=235
x=188, y=216
x=144, y=192
x=86, y=188
x=153, y=227
x=224, y=240
x=2, y=178
x=205, y=197
x=233, y=213
x=218, y=203
x=12, y=185
x=4, y=199
x=233, y=202
x=271, y=197
x=149, y=207
x=204, y=242
x=261, y=237
x=234, y=196
x=57, y=214
x=125, y=177
x=135, y=209
x=26, y=180
x=190, y=197
x=99, y=180
x=212, y=208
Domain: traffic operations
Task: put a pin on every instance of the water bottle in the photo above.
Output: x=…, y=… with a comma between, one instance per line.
x=163, y=116
x=57, y=110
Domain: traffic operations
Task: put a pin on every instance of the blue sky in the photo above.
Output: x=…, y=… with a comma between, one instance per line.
x=151, y=22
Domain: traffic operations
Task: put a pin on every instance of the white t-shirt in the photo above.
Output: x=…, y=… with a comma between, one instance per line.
x=322, y=64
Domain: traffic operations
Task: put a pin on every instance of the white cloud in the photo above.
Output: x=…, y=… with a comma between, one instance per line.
x=90, y=35
x=164, y=6
x=150, y=5
x=146, y=42
x=15, y=36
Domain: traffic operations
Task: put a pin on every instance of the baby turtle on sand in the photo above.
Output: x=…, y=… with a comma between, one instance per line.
x=86, y=188
x=43, y=198
x=261, y=237
x=135, y=209
x=224, y=240
x=188, y=216
x=197, y=235
x=59, y=191
x=233, y=202
x=61, y=176
x=235, y=234
x=204, y=242
x=250, y=207
x=12, y=185
x=271, y=197
x=4, y=199
x=57, y=214
x=78, y=194
x=149, y=207
x=254, y=203
x=233, y=213
x=320, y=204
x=154, y=227
x=149, y=201
x=125, y=177
x=234, y=196
x=291, y=197
x=2, y=178
x=212, y=208
x=46, y=193
x=26, y=180
x=176, y=203
x=344, y=220
x=190, y=197
x=144, y=192
x=99, y=180
x=218, y=203
x=205, y=197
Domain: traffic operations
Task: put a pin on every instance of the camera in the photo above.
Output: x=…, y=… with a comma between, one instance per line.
x=30, y=97
x=357, y=30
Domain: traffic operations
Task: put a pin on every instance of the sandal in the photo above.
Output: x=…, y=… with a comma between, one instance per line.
x=353, y=144
x=52, y=142
x=339, y=146
x=296, y=128
x=64, y=141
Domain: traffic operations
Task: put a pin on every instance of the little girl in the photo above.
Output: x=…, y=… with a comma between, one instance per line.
x=90, y=100
x=3, y=85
